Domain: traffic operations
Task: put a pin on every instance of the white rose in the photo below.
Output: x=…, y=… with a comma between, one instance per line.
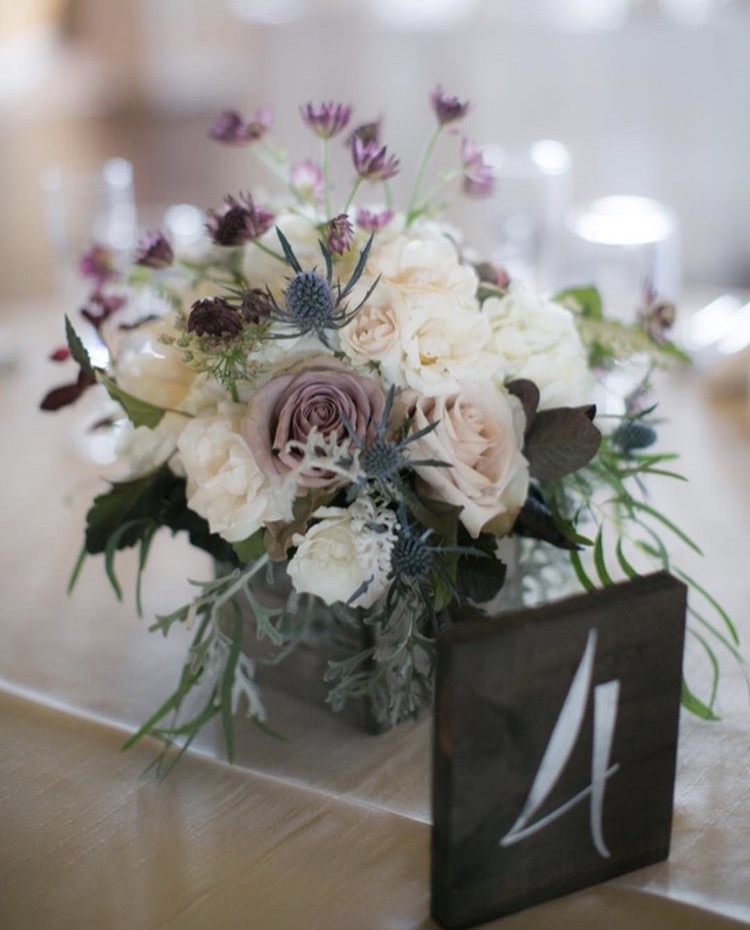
x=422, y=324
x=141, y=450
x=537, y=339
x=479, y=433
x=224, y=483
x=343, y=554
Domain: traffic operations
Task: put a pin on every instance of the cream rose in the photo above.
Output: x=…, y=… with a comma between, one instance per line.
x=224, y=483
x=152, y=371
x=342, y=555
x=537, y=339
x=479, y=433
x=422, y=324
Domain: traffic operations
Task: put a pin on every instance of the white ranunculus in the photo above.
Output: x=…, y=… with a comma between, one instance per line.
x=536, y=338
x=141, y=450
x=224, y=483
x=343, y=554
x=479, y=433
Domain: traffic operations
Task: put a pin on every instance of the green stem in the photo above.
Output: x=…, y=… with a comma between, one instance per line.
x=326, y=184
x=411, y=210
x=271, y=161
x=268, y=251
x=357, y=185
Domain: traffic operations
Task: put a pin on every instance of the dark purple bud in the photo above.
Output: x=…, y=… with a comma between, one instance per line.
x=258, y=126
x=478, y=179
x=373, y=222
x=101, y=307
x=367, y=132
x=154, y=251
x=656, y=316
x=231, y=129
x=492, y=274
x=68, y=393
x=447, y=109
x=98, y=264
x=213, y=316
x=372, y=161
x=326, y=119
x=339, y=232
x=256, y=305
x=238, y=221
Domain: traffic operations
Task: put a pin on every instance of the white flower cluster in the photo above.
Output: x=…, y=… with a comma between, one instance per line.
x=422, y=334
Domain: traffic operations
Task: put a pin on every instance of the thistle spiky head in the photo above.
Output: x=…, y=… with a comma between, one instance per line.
x=309, y=300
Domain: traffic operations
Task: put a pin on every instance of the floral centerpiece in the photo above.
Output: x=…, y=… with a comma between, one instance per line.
x=333, y=391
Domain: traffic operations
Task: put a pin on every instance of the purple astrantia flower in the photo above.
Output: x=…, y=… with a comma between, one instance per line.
x=372, y=162
x=478, y=179
x=326, y=119
x=154, y=251
x=98, y=264
x=213, y=316
x=231, y=129
x=306, y=180
x=656, y=315
x=367, y=132
x=239, y=221
x=447, y=109
x=371, y=221
x=339, y=232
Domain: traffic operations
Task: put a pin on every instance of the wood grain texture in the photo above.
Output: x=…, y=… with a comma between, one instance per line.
x=500, y=689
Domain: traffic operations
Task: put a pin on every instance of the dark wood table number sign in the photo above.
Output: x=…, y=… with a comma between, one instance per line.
x=555, y=748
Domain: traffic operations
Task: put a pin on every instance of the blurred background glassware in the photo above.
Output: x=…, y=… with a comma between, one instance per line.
x=622, y=245
x=86, y=208
x=524, y=219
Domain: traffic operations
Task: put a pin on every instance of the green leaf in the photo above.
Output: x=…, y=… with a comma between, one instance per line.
x=599, y=562
x=624, y=563
x=126, y=503
x=77, y=348
x=714, y=603
x=647, y=508
x=480, y=578
x=694, y=704
x=75, y=574
x=586, y=583
x=585, y=300
x=140, y=412
x=227, y=684
x=251, y=548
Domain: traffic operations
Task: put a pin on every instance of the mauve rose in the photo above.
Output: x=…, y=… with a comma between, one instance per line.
x=321, y=396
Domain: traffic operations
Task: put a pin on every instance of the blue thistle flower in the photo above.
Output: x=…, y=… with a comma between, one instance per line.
x=313, y=303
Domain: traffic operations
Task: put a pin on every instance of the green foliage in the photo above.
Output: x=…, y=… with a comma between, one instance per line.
x=77, y=348
x=131, y=512
x=610, y=493
x=139, y=412
x=585, y=301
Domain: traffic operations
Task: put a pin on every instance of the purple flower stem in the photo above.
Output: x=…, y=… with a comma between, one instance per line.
x=413, y=210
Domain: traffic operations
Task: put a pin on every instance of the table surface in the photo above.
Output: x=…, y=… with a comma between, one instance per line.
x=328, y=828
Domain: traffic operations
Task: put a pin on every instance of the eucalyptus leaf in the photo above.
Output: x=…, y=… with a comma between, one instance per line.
x=585, y=300
x=560, y=442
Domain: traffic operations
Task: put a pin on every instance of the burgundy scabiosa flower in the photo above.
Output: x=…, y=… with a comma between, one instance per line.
x=98, y=264
x=372, y=161
x=372, y=221
x=447, y=109
x=478, y=179
x=326, y=119
x=231, y=128
x=213, y=316
x=154, y=251
x=239, y=221
x=339, y=232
